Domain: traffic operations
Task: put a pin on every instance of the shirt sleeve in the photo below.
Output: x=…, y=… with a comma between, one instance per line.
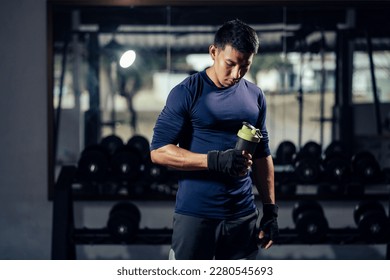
x=262, y=149
x=172, y=121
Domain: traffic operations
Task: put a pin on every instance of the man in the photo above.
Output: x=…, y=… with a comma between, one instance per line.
x=215, y=213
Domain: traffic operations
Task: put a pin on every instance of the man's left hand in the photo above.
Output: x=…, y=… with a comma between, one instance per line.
x=269, y=229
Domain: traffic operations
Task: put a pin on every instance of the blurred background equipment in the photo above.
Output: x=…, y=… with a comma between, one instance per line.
x=365, y=167
x=123, y=221
x=316, y=63
x=112, y=143
x=336, y=163
x=93, y=164
x=285, y=152
x=127, y=164
x=372, y=221
x=310, y=221
x=141, y=144
x=307, y=164
x=285, y=184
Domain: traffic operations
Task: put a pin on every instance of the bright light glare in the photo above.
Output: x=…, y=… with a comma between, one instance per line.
x=127, y=59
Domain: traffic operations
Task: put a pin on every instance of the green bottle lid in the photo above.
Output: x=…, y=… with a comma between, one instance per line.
x=249, y=133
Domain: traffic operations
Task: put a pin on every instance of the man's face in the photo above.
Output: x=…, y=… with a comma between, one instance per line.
x=229, y=66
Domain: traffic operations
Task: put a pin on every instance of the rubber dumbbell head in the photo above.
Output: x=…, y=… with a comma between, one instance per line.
x=141, y=144
x=311, y=149
x=372, y=222
x=336, y=147
x=112, y=143
x=336, y=168
x=285, y=152
x=93, y=164
x=127, y=163
x=365, y=166
x=156, y=173
x=310, y=222
x=123, y=222
x=307, y=169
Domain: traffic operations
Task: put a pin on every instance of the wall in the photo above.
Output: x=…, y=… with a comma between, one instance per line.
x=25, y=213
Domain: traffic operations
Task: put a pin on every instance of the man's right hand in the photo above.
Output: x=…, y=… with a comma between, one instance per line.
x=233, y=162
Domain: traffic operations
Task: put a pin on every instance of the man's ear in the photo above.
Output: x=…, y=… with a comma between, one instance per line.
x=213, y=51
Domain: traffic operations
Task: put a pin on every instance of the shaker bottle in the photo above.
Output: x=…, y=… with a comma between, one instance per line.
x=248, y=137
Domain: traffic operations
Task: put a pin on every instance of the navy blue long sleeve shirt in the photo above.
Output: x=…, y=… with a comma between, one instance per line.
x=200, y=117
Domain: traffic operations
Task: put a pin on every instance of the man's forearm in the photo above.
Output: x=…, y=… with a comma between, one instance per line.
x=263, y=174
x=179, y=158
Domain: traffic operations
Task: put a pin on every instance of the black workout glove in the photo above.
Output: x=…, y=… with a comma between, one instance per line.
x=231, y=162
x=269, y=223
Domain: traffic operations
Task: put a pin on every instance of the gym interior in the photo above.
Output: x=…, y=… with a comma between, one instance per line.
x=77, y=119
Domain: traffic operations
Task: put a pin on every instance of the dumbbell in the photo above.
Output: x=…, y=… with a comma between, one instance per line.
x=310, y=222
x=335, y=163
x=336, y=147
x=365, y=166
x=336, y=168
x=141, y=144
x=112, y=143
x=307, y=163
x=93, y=164
x=156, y=173
x=311, y=149
x=123, y=222
x=372, y=222
x=127, y=164
x=285, y=152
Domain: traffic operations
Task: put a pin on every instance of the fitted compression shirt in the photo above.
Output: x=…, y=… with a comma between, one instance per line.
x=200, y=117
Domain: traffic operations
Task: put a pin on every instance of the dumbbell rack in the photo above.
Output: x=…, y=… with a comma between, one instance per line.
x=65, y=236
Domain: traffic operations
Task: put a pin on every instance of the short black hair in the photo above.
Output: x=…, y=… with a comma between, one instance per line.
x=239, y=35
